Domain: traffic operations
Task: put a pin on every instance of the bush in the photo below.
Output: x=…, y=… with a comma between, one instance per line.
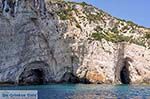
x=83, y=3
x=116, y=38
x=65, y=13
x=98, y=28
x=147, y=35
x=112, y=37
x=98, y=36
x=115, y=30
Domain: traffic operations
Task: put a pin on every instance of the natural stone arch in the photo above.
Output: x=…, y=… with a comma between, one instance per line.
x=34, y=73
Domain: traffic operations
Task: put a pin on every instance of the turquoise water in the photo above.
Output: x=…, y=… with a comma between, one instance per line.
x=83, y=91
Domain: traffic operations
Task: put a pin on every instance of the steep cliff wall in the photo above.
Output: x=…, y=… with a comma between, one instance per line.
x=30, y=38
x=61, y=41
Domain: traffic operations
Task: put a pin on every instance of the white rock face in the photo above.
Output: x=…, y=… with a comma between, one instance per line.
x=140, y=66
x=40, y=46
x=26, y=41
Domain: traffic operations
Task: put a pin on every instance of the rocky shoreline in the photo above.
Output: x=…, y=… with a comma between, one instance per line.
x=59, y=41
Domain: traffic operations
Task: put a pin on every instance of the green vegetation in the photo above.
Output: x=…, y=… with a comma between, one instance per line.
x=126, y=27
x=138, y=41
x=116, y=38
x=115, y=30
x=147, y=35
x=65, y=13
x=114, y=34
x=79, y=3
x=112, y=37
x=93, y=17
x=131, y=23
x=78, y=26
x=83, y=3
x=98, y=28
x=62, y=15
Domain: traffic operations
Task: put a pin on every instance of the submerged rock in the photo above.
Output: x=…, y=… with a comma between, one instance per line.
x=58, y=41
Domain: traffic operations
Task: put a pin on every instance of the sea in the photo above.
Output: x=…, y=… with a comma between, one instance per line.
x=85, y=91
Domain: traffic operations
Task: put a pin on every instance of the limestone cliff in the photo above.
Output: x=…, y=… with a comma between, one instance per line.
x=57, y=41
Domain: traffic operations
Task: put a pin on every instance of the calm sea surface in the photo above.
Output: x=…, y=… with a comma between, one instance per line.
x=83, y=91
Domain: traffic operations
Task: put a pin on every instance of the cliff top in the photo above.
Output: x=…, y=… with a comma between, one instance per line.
x=104, y=25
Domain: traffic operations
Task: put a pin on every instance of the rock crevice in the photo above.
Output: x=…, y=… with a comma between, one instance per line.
x=11, y=8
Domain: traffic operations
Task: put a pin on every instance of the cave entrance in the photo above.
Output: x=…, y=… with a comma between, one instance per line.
x=36, y=72
x=124, y=73
x=32, y=76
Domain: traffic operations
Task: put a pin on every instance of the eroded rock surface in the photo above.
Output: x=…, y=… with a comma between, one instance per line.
x=32, y=41
x=52, y=41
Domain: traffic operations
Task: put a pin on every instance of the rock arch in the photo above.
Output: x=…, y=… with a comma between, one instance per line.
x=34, y=73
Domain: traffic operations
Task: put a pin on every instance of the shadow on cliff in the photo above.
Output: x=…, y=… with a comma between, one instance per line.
x=122, y=73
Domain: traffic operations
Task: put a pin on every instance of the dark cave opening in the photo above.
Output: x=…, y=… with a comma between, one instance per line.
x=70, y=78
x=33, y=76
x=124, y=75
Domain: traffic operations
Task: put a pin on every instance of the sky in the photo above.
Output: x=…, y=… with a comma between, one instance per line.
x=137, y=11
